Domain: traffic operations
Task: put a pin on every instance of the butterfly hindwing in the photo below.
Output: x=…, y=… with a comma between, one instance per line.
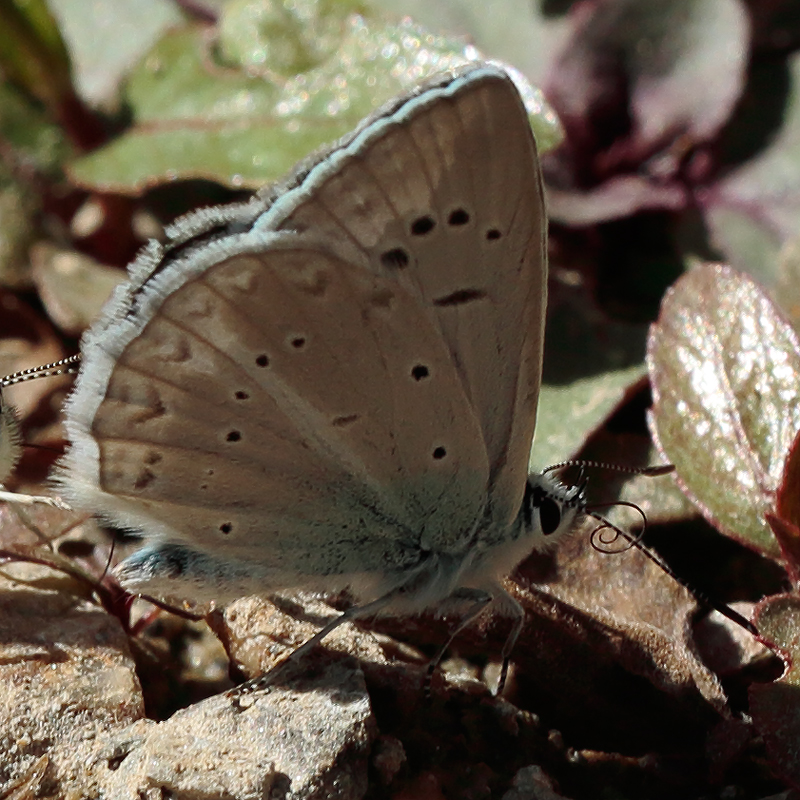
x=291, y=404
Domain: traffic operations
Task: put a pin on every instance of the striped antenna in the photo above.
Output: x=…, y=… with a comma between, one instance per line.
x=11, y=437
x=66, y=366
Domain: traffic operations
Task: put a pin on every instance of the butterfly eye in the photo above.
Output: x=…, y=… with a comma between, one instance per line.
x=549, y=515
x=550, y=507
x=547, y=508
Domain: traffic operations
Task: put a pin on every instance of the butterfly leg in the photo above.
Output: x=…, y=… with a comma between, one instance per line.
x=31, y=499
x=506, y=605
x=509, y=607
x=480, y=600
x=266, y=680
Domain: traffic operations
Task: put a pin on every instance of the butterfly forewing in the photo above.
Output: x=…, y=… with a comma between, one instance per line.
x=450, y=204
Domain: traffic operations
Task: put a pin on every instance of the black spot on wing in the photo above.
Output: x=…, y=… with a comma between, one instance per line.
x=460, y=297
x=344, y=421
x=458, y=217
x=397, y=258
x=422, y=225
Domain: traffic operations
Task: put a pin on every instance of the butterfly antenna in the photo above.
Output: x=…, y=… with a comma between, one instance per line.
x=66, y=366
x=650, y=472
x=635, y=541
x=10, y=430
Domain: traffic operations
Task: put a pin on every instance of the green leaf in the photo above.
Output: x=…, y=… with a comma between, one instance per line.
x=286, y=38
x=33, y=146
x=36, y=142
x=569, y=414
x=725, y=371
x=522, y=33
x=243, y=127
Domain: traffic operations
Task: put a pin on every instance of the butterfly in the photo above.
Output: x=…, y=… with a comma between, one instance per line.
x=335, y=384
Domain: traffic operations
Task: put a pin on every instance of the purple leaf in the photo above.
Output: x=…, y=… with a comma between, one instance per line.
x=754, y=210
x=637, y=87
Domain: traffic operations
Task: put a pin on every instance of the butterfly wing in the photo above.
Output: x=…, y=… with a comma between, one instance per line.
x=451, y=204
x=340, y=383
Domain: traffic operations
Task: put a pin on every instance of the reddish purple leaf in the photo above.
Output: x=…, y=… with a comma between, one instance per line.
x=641, y=82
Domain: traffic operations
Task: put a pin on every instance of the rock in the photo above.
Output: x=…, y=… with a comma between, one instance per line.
x=72, y=718
x=308, y=739
x=68, y=681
